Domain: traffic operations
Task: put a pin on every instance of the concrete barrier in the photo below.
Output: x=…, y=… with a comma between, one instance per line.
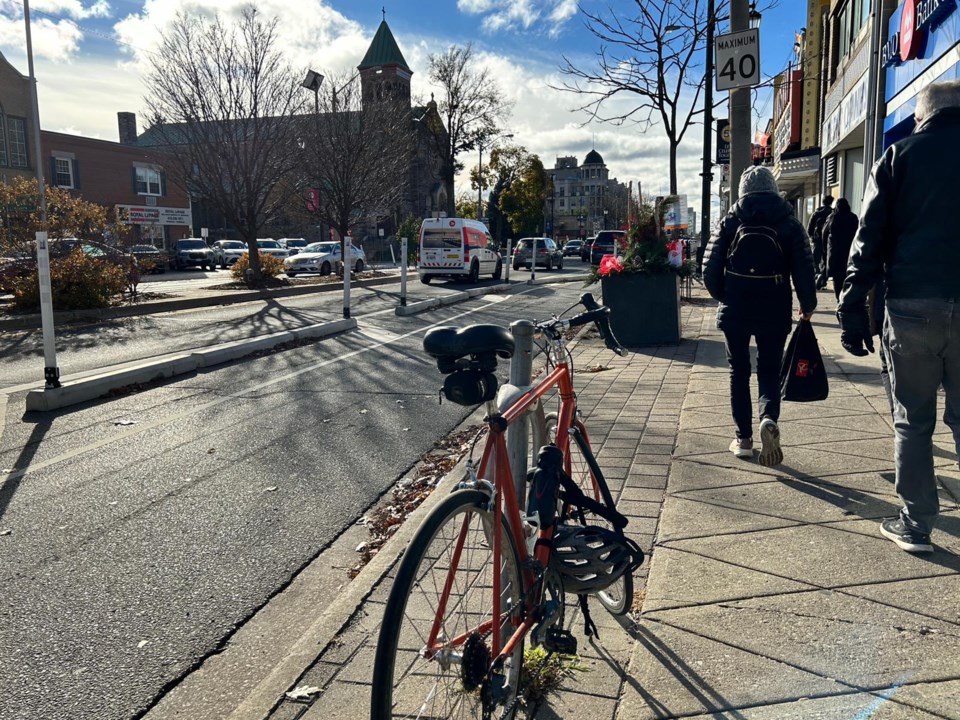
x=324, y=329
x=226, y=352
x=72, y=392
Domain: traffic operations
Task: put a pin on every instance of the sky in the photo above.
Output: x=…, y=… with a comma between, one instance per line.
x=90, y=59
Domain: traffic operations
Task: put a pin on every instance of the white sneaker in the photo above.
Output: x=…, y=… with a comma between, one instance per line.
x=742, y=448
x=770, y=452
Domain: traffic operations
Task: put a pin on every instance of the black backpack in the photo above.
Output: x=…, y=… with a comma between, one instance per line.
x=756, y=255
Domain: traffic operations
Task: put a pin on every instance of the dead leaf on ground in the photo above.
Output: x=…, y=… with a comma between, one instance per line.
x=125, y=421
x=304, y=693
x=272, y=488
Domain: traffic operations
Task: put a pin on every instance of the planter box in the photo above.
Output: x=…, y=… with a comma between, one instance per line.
x=644, y=309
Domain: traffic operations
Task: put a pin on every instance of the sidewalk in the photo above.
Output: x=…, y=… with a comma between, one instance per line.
x=770, y=594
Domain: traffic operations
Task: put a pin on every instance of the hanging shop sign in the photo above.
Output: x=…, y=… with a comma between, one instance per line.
x=917, y=17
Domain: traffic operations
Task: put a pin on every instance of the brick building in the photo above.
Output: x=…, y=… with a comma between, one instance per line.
x=16, y=124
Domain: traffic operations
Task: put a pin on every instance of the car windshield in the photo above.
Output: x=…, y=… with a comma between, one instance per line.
x=268, y=244
x=144, y=249
x=191, y=244
x=233, y=245
x=324, y=247
x=296, y=243
x=442, y=239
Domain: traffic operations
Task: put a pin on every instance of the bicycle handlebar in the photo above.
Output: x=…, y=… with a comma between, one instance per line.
x=601, y=316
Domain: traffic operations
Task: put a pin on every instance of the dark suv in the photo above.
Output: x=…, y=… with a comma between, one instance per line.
x=548, y=254
x=190, y=252
x=607, y=242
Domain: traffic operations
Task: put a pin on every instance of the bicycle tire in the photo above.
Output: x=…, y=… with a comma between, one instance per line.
x=426, y=688
x=618, y=598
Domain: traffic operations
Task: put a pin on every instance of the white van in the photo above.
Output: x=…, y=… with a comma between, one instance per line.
x=458, y=248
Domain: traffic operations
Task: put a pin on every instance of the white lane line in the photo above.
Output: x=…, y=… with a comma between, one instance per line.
x=154, y=424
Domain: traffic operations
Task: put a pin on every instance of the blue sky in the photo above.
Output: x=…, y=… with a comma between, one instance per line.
x=89, y=56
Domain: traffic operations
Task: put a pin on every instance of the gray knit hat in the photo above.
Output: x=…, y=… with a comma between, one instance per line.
x=758, y=179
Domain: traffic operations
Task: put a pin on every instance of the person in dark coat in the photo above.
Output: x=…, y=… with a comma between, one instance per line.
x=815, y=231
x=907, y=238
x=838, y=234
x=759, y=307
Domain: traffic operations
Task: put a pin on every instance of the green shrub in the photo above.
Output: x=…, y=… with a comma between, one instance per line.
x=78, y=282
x=270, y=266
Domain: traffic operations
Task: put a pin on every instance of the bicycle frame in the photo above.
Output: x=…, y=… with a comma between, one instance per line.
x=504, y=503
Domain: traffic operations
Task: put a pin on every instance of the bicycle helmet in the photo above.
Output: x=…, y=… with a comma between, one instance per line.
x=590, y=558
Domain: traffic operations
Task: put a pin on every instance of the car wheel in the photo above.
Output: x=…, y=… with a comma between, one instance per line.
x=474, y=275
x=560, y=264
x=425, y=279
x=325, y=269
x=291, y=274
x=549, y=265
x=359, y=267
x=516, y=267
x=498, y=271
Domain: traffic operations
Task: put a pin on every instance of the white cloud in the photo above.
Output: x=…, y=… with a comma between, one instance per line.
x=550, y=16
x=73, y=8
x=54, y=33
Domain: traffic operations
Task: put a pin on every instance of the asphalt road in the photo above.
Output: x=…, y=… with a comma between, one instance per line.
x=149, y=526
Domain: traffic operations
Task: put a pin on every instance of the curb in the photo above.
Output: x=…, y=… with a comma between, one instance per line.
x=72, y=392
x=451, y=299
x=28, y=322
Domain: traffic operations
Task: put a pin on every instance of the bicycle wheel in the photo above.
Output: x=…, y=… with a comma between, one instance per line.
x=617, y=598
x=452, y=548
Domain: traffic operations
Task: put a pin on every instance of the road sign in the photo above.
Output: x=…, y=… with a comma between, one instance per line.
x=723, y=141
x=738, y=59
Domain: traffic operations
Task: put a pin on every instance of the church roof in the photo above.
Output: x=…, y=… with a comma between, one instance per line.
x=383, y=51
x=593, y=158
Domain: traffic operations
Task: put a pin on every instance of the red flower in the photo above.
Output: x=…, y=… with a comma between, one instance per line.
x=610, y=265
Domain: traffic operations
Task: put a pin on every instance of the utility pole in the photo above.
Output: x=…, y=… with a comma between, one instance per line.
x=740, y=120
x=707, y=173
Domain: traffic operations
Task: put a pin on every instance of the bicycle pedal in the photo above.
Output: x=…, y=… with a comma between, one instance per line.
x=560, y=641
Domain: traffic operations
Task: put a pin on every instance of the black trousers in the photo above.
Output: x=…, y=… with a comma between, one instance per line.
x=770, y=344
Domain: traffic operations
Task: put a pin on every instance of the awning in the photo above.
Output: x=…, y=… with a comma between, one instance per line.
x=794, y=170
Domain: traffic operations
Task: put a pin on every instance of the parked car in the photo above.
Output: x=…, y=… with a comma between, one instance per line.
x=150, y=258
x=457, y=248
x=548, y=254
x=322, y=258
x=585, y=248
x=607, y=242
x=192, y=252
x=572, y=247
x=227, y=252
x=269, y=246
x=294, y=245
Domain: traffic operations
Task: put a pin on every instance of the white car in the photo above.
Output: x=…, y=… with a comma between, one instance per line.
x=227, y=252
x=269, y=246
x=323, y=258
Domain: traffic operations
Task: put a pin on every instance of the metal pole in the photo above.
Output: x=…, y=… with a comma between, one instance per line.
x=533, y=262
x=740, y=120
x=347, y=261
x=509, y=258
x=403, y=272
x=707, y=173
x=51, y=371
x=480, y=181
x=521, y=370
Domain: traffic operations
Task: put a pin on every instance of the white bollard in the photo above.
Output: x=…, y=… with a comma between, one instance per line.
x=347, y=262
x=533, y=262
x=509, y=259
x=403, y=272
x=51, y=373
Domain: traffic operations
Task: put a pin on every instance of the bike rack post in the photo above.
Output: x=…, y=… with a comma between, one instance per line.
x=521, y=370
x=346, y=262
x=533, y=263
x=509, y=259
x=403, y=271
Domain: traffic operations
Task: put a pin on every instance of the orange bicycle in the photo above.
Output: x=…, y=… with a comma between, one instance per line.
x=480, y=576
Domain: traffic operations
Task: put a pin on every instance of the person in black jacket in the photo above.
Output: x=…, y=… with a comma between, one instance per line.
x=907, y=239
x=756, y=300
x=815, y=231
x=838, y=234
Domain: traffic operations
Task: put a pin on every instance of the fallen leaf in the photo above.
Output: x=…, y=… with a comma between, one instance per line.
x=142, y=643
x=6, y=532
x=406, y=429
x=211, y=451
x=125, y=422
x=363, y=412
x=327, y=420
x=272, y=488
x=304, y=693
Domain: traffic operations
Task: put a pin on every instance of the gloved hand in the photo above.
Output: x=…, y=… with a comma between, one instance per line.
x=855, y=331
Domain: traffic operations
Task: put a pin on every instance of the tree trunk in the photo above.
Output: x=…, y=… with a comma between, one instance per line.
x=253, y=255
x=673, y=168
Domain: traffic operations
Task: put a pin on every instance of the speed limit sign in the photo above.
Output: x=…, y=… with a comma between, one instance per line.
x=738, y=59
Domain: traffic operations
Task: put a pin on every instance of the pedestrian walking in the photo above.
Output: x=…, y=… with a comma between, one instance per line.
x=837, y=234
x=748, y=265
x=906, y=238
x=815, y=231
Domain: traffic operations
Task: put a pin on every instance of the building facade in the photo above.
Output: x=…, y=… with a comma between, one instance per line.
x=584, y=198
x=16, y=124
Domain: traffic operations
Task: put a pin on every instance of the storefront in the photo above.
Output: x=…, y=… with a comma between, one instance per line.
x=922, y=47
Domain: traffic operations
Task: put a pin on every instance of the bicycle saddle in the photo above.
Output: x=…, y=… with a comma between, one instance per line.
x=451, y=343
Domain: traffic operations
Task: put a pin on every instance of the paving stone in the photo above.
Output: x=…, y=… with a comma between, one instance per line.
x=934, y=596
x=856, y=706
x=689, y=518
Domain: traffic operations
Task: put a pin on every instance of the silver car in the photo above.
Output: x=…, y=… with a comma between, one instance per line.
x=269, y=246
x=323, y=258
x=227, y=252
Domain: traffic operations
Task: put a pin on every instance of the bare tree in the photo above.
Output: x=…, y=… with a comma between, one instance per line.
x=652, y=58
x=359, y=153
x=224, y=104
x=472, y=104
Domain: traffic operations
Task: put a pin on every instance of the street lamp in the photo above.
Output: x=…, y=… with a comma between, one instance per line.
x=480, y=170
x=312, y=82
x=605, y=212
x=754, y=17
